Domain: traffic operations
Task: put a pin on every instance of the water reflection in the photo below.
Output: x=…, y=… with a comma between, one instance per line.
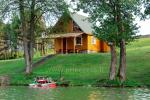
x=141, y=94
x=109, y=94
x=74, y=93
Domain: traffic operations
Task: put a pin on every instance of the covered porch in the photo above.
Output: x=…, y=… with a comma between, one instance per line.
x=68, y=43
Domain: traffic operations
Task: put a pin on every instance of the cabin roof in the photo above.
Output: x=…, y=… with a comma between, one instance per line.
x=66, y=35
x=82, y=22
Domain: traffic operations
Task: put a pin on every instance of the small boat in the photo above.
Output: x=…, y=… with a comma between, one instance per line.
x=43, y=82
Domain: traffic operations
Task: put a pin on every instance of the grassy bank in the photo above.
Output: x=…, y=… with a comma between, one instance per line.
x=85, y=69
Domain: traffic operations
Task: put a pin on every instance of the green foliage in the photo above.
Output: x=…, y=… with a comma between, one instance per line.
x=112, y=19
x=147, y=8
x=11, y=30
x=1, y=28
x=11, y=55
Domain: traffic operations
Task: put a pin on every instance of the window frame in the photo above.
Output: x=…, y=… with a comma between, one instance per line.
x=80, y=39
x=93, y=40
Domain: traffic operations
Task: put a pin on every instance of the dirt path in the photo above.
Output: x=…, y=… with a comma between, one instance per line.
x=41, y=61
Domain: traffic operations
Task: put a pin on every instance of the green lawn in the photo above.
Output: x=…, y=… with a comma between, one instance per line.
x=85, y=68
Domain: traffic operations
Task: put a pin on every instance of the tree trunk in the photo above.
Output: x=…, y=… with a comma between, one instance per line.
x=15, y=50
x=27, y=43
x=43, y=47
x=122, y=65
x=27, y=57
x=112, y=72
x=122, y=61
x=31, y=39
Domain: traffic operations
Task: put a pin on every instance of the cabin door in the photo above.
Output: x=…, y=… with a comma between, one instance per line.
x=101, y=46
x=64, y=45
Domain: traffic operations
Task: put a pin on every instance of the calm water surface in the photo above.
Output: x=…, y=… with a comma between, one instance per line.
x=74, y=93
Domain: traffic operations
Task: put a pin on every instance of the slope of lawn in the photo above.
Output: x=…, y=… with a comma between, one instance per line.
x=138, y=61
x=14, y=69
x=82, y=69
x=77, y=68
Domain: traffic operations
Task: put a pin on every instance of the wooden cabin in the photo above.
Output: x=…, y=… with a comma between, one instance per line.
x=75, y=36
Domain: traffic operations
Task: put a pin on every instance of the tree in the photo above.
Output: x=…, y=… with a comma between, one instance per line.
x=110, y=38
x=113, y=22
x=28, y=20
x=11, y=33
x=124, y=14
x=51, y=6
x=147, y=7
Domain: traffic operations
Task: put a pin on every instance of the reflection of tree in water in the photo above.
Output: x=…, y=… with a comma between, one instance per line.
x=74, y=93
x=95, y=95
x=110, y=94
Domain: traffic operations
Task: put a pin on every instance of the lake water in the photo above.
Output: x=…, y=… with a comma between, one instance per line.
x=74, y=93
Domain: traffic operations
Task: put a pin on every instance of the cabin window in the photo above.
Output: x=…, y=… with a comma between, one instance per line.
x=93, y=40
x=76, y=28
x=79, y=40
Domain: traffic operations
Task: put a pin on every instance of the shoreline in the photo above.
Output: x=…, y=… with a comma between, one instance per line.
x=91, y=85
x=26, y=85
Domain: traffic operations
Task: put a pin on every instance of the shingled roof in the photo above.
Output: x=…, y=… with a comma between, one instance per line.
x=82, y=22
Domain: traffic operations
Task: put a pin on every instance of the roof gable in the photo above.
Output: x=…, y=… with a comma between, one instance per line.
x=82, y=22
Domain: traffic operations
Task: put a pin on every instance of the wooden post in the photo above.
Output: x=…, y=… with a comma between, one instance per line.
x=74, y=44
x=66, y=46
x=62, y=45
x=37, y=46
x=62, y=50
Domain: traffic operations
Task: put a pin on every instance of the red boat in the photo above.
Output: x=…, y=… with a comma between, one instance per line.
x=43, y=82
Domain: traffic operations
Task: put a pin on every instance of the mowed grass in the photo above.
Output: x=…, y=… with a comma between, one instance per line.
x=85, y=68
x=77, y=68
x=138, y=61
